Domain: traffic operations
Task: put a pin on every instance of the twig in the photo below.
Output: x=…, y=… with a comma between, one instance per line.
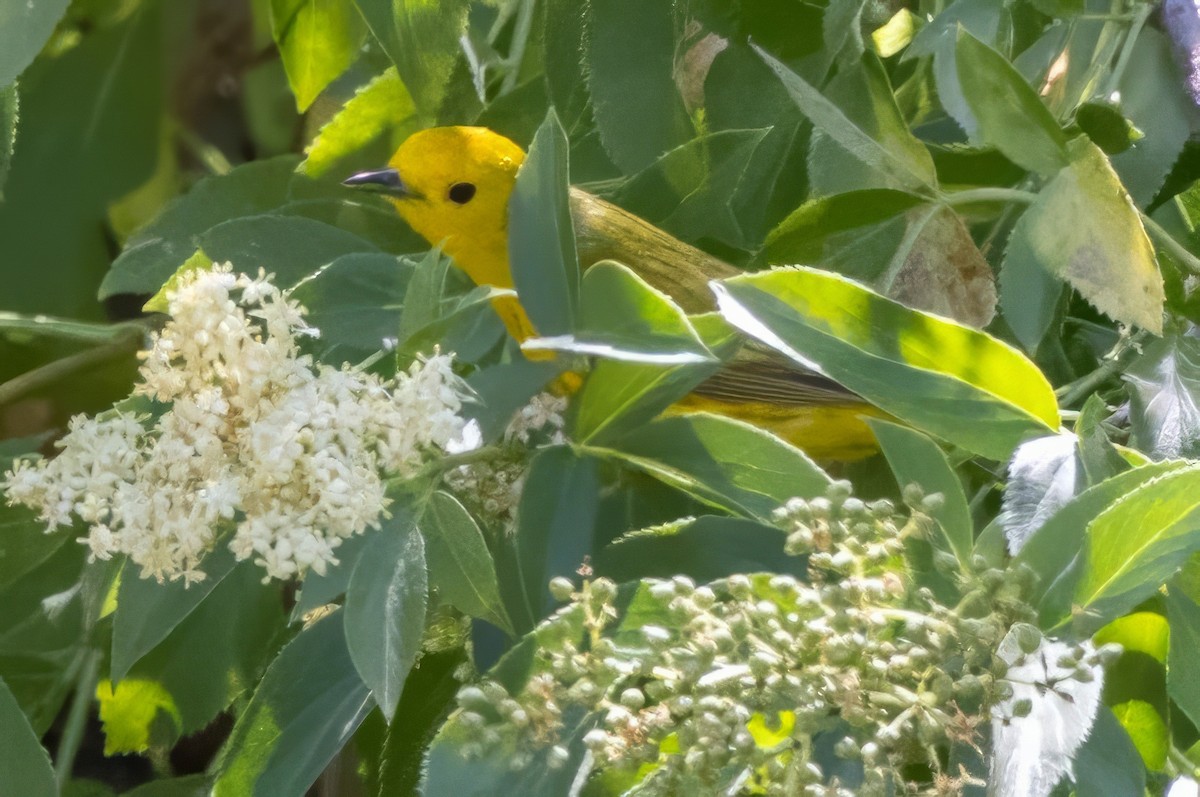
x=76, y=723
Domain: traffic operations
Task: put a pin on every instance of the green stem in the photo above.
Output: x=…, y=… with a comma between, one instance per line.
x=516, y=53
x=208, y=154
x=76, y=723
x=1168, y=242
x=44, y=375
x=975, y=195
x=44, y=326
x=1137, y=20
x=1117, y=359
x=452, y=461
x=1182, y=763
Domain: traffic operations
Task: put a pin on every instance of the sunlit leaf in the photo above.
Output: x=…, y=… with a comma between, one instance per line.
x=130, y=710
x=379, y=108
x=318, y=40
x=1139, y=632
x=940, y=376
x=1147, y=730
x=1044, y=474
x=1084, y=229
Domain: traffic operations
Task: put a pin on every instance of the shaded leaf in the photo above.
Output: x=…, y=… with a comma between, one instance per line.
x=306, y=707
x=8, y=131
x=937, y=375
x=1183, y=666
x=24, y=541
x=356, y=300
x=24, y=29
x=1108, y=764
x=385, y=608
x=1103, y=122
x=24, y=764
x=460, y=566
x=1084, y=229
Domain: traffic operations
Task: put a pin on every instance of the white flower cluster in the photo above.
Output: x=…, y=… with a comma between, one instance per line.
x=291, y=452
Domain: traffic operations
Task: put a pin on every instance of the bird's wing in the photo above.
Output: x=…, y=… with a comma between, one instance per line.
x=761, y=376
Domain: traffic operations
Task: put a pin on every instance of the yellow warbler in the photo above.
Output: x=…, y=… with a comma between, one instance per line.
x=452, y=185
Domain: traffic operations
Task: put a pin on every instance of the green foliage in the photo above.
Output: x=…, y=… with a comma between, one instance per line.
x=979, y=219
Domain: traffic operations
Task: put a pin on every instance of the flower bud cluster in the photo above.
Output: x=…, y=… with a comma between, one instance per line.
x=746, y=684
x=244, y=432
x=492, y=489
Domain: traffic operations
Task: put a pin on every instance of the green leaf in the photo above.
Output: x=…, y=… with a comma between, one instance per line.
x=1139, y=632
x=24, y=765
x=460, y=566
x=1097, y=454
x=1053, y=552
x=187, y=786
x=24, y=541
x=1010, y=114
x=422, y=39
x=8, y=131
x=1183, y=666
x=501, y=390
x=868, y=126
x=290, y=247
x=555, y=519
x=305, y=709
x=154, y=253
x=631, y=74
x=622, y=318
x=318, y=40
x=704, y=549
x=1108, y=764
x=944, y=378
x=1084, y=229
x=356, y=300
x=1136, y=544
x=541, y=239
x=1154, y=99
x=805, y=235
x=380, y=107
x=1029, y=294
x=148, y=611
x=1147, y=730
x=1104, y=123
x=915, y=459
x=24, y=29
x=1164, y=387
x=689, y=191
x=722, y=462
x=318, y=589
x=385, y=608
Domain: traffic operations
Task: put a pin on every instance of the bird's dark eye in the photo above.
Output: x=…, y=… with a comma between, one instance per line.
x=462, y=193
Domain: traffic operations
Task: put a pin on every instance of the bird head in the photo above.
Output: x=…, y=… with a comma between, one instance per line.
x=452, y=185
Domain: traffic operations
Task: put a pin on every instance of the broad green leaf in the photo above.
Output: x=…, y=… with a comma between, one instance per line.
x=422, y=37
x=460, y=566
x=564, y=27
x=1084, y=229
x=24, y=541
x=1009, y=112
x=915, y=459
x=1147, y=730
x=1054, y=551
x=306, y=708
x=555, y=521
x=24, y=29
x=1099, y=457
x=186, y=786
x=24, y=764
x=380, y=107
x=1164, y=387
x=1154, y=99
x=722, y=462
x=356, y=300
x=944, y=378
x=622, y=318
x=136, y=714
x=982, y=18
x=802, y=238
x=689, y=191
x=385, y=608
x=704, y=549
x=1108, y=764
x=1104, y=123
x=1139, y=632
x=317, y=590
x=541, y=240
x=631, y=74
x=97, y=109
x=148, y=611
x=1029, y=294
x=290, y=247
x=1139, y=542
x=8, y=131
x=233, y=653
x=1183, y=665
x=318, y=40
x=618, y=396
x=154, y=253
x=869, y=127
x=501, y=390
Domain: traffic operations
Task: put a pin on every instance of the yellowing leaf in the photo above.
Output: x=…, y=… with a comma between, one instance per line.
x=767, y=737
x=318, y=40
x=158, y=302
x=129, y=711
x=1147, y=729
x=1084, y=229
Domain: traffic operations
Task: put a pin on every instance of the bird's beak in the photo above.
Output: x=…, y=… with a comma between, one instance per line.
x=386, y=181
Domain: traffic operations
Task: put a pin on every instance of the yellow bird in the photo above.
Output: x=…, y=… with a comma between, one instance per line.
x=452, y=185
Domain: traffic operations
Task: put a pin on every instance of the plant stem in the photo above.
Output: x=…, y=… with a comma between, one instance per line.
x=516, y=53
x=76, y=723
x=1168, y=242
x=1137, y=20
x=1182, y=762
x=1117, y=359
x=973, y=195
x=452, y=461
x=119, y=346
x=44, y=326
